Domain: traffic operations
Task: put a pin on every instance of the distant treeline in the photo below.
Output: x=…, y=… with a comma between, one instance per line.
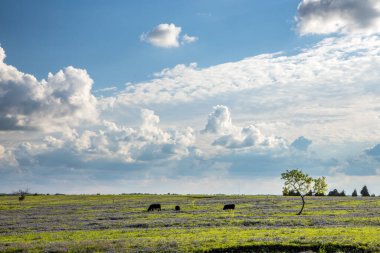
x=364, y=193
x=30, y=194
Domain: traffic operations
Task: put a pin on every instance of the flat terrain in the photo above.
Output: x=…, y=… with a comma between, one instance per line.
x=121, y=223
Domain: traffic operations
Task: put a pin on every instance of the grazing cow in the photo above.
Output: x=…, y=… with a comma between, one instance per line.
x=177, y=208
x=154, y=207
x=21, y=198
x=229, y=207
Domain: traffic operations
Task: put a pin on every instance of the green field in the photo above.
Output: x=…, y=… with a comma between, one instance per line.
x=121, y=223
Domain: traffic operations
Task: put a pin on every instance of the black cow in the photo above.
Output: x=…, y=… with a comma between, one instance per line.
x=177, y=208
x=154, y=207
x=229, y=207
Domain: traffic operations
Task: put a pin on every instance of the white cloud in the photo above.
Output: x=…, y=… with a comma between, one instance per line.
x=163, y=35
x=219, y=121
x=249, y=136
x=147, y=142
x=325, y=64
x=150, y=142
x=7, y=159
x=300, y=94
x=338, y=16
x=231, y=136
x=327, y=92
x=189, y=39
x=167, y=36
x=26, y=103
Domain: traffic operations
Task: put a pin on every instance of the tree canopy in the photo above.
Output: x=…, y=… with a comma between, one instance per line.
x=302, y=184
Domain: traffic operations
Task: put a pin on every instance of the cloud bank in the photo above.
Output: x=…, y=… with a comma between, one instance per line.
x=27, y=104
x=325, y=64
x=179, y=125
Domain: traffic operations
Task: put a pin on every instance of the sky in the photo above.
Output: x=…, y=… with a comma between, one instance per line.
x=214, y=96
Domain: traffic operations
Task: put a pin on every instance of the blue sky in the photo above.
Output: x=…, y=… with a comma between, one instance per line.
x=104, y=38
x=188, y=96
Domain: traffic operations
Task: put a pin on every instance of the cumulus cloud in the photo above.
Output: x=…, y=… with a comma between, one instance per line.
x=27, y=103
x=231, y=136
x=249, y=136
x=338, y=16
x=166, y=36
x=301, y=143
x=163, y=35
x=219, y=121
x=147, y=142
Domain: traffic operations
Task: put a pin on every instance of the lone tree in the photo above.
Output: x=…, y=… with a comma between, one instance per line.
x=22, y=193
x=297, y=181
x=364, y=192
x=354, y=193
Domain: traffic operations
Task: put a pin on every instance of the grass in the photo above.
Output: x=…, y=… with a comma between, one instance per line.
x=120, y=223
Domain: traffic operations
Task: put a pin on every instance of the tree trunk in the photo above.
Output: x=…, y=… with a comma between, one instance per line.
x=303, y=204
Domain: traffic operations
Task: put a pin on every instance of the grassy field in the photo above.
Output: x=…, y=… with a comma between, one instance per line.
x=120, y=223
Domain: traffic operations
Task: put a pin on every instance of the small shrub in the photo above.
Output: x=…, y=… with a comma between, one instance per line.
x=336, y=193
x=333, y=193
x=287, y=192
x=364, y=192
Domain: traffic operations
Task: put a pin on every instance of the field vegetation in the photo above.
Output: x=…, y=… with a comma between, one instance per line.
x=121, y=223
